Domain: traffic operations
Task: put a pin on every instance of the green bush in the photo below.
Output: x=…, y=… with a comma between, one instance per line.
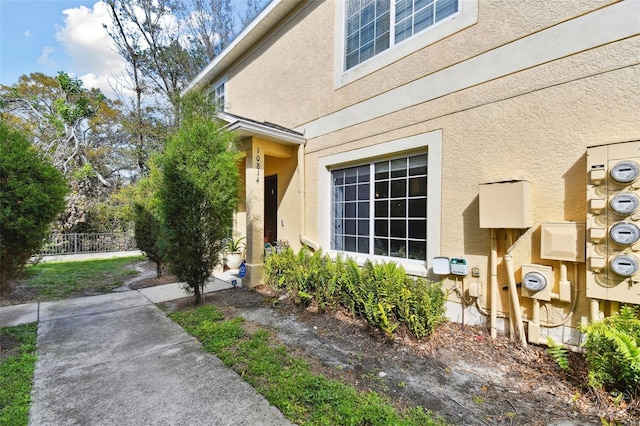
x=381, y=293
x=613, y=352
x=31, y=196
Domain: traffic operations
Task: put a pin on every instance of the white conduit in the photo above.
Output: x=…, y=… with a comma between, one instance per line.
x=494, y=284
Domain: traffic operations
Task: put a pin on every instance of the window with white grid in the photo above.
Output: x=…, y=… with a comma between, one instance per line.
x=380, y=208
x=373, y=26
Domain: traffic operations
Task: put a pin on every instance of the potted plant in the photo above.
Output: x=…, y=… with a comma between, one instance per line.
x=235, y=249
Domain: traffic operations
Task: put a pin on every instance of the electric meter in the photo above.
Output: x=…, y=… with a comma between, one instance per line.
x=624, y=265
x=534, y=281
x=624, y=233
x=625, y=172
x=624, y=203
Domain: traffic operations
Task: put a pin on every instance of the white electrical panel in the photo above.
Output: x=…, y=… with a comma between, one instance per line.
x=613, y=222
x=459, y=266
x=441, y=265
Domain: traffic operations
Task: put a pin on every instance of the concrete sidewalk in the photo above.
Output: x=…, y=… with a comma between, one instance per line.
x=116, y=359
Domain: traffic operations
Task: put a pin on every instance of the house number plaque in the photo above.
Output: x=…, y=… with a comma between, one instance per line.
x=258, y=166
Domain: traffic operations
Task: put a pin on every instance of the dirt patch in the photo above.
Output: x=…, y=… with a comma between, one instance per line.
x=460, y=373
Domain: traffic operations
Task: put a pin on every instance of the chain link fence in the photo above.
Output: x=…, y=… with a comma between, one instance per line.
x=102, y=242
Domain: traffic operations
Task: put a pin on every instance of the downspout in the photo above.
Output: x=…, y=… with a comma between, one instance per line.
x=513, y=290
x=302, y=223
x=494, y=284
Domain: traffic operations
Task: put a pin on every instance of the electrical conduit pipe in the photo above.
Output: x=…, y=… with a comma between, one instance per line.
x=493, y=310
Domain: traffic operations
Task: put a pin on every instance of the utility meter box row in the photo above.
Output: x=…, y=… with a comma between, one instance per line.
x=613, y=222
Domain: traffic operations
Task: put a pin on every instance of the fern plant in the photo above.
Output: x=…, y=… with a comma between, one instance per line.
x=613, y=352
x=558, y=353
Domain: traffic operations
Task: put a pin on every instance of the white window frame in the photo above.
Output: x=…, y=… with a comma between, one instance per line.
x=431, y=143
x=214, y=88
x=466, y=16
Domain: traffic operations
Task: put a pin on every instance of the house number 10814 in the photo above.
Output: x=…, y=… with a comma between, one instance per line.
x=258, y=166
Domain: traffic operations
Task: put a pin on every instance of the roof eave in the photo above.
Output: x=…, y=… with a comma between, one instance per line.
x=247, y=129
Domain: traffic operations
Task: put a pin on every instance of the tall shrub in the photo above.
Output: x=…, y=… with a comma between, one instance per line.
x=198, y=192
x=31, y=196
x=147, y=217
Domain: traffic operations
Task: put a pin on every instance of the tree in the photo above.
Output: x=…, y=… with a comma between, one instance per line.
x=148, y=219
x=199, y=192
x=79, y=131
x=31, y=196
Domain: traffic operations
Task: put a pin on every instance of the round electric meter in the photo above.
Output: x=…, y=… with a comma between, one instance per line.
x=625, y=203
x=625, y=233
x=534, y=281
x=625, y=172
x=624, y=265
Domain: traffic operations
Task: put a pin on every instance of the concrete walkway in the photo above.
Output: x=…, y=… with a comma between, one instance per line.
x=116, y=359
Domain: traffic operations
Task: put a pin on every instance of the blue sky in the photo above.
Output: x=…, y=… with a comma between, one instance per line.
x=48, y=36
x=32, y=37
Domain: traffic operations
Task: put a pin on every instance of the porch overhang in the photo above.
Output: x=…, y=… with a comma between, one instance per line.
x=247, y=128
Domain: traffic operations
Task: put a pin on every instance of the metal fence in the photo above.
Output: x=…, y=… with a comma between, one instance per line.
x=88, y=243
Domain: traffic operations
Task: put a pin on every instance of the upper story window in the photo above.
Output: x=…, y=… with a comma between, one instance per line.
x=219, y=96
x=372, y=26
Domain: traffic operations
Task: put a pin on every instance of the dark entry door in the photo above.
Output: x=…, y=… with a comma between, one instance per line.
x=270, y=209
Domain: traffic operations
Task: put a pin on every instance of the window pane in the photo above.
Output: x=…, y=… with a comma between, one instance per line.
x=382, y=189
x=382, y=209
x=404, y=9
x=338, y=177
x=382, y=170
x=398, y=208
x=382, y=25
x=363, y=227
x=423, y=19
x=363, y=174
x=445, y=8
x=337, y=242
x=350, y=244
x=398, y=228
x=366, y=52
x=363, y=191
x=353, y=60
x=363, y=210
x=418, y=250
x=418, y=165
x=381, y=247
x=367, y=33
x=350, y=210
x=382, y=43
x=399, y=168
x=398, y=248
x=353, y=43
x=418, y=229
x=381, y=228
x=338, y=193
x=338, y=210
x=403, y=30
x=350, y=227
x=418, y=187
x=363, y=245
x=368, y=12
x=350, y=193
x=418, y=207
x=398, y=188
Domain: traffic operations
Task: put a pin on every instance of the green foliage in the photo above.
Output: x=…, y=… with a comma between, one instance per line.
x=288, y=383
x=16, y=375
x=31, y=196
x=382, y=293
x=558, y=353
x=148, y=226
x=59, y=280
x=198, y=192
x=613, y=352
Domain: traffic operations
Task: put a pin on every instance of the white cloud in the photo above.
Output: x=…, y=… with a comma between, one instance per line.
x=28, y=34
x=90, y=48
x=46, y=59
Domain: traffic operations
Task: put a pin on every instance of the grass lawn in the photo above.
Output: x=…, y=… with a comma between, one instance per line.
x=17, y=363
x=59, y=280
x=288, y=383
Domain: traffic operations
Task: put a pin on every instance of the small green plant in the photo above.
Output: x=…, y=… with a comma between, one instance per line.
x=235, y=245
x=559, y=354
x=477, y=399
x=613, y=352
x=16, y=375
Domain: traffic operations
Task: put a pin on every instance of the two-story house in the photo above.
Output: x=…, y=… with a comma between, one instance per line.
x=472, y=141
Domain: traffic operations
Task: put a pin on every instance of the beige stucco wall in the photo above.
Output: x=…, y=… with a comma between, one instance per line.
x=534, y=123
